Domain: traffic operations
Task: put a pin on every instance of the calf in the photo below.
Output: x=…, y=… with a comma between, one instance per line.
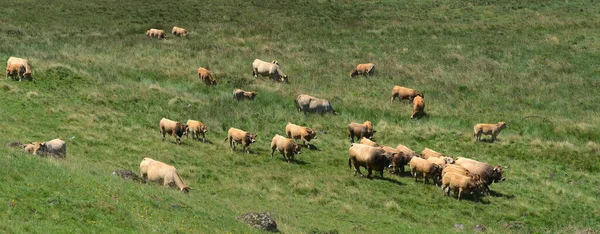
x=488, y=129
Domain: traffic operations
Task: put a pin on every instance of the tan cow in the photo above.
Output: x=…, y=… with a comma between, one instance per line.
x=418, y=107
x=162, y=173
x=366, y=141
x=158, y=33
x=487, y=172
x=307, y=103
x=363, y=69
x=173, y=128
x=406, y=150
x=31, y=148
x=196, y=127
x=403, y=93
x=55, y=147
x=461, y=184
x=425, y=168
x=299, y=132
x=402, y=158
x=428, y=153
x=205, y=75
x=371, y=158
x=177, y=31
x=271, y=69
x=239, y=94
x=488, y=129
x=238, y=136
x=360, y=130
x=455, y=169
x=20, y=67
x=285, y=146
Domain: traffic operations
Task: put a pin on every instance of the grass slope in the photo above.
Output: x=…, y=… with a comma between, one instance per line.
x=531, y=64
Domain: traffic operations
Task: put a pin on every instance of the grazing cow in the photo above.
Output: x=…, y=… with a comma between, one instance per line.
x=173, y=128
x=428, y=153
x=488, y=129
x=366, y=141
x=363, y=69
x=300, y=132
x=426, y=168
x=177, y=31
x=158, y=33
x=371, y=158
x=360, y=130
x=487, y=172
x=285, y=146
x=206, y=76
x=268, y=69
x=239, y=94
x=20, y=67
x=238, y=136
x=307, y=103
x=162, y=173
x=461, y=184
x=403, y=93
x=196, y=127
x=419, y=107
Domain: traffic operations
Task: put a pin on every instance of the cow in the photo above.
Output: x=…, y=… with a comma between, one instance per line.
x=239, y=94
x=173, y=128
x=403, y=93
x=238, y=136
x=371, y=158
x=360, y=130
x=205, y=75
x=31, y=148
x=153, y=170
x=299, y=132
x=426, y=168
x=20, y=67
x=285, y=146
x=488, y=129
x=196, y=127
x=418, y=107
x=177, y=31
x=461, y=184
x=441, y=161
x=158, y=33
x=455, y=169
x=55, y=147
x=271, y=69
x=399, y=159
x=307, y=103
x=366, y=141
x=428, y=153
x=487, y=172
x=406, y=150
x=363, y=69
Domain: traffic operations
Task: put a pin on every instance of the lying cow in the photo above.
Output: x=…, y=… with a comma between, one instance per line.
x=419, y=166
x=173, y=128
x=307, y=103
x=157, y=171
x=418, y=107
x=487, y=172
x=205, y=75
x=271, y=69
x=238, y=136
x=360, y=130
x=403, y=93
x=239, y=94
x=180, y=32
x=371, y=158
x=18, y=67
x=285, y=146
x=366, y=141
x=363, y=69
x=461, y=184
x=196, y=127
x=488, y=129
x=299, y=132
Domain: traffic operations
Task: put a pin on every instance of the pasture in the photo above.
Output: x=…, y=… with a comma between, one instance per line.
x=99, y=79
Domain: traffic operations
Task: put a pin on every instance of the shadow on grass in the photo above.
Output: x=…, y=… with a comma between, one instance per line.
x=499, y=194
x=313, y=147
x=487, y=140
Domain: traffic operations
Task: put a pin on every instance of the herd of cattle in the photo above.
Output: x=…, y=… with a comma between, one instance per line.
x=460, y=175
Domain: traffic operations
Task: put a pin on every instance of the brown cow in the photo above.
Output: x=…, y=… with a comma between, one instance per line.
x=205, y=75
x=360, y=130
x=426, y=168
x=371, y=158
x=238, y=136
x=196, y=127
x=285, y=146
x=160, y=172
x=173, y=128
x=403, y=93
x=239, y=94
x=300, y=132
x=418, y=107
x=363, y=69
x=460, y=183
x=488, y=129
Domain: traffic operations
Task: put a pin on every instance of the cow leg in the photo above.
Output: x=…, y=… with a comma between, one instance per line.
x=203, y=137
x=459, y=193
x=370, y=172
x=425, y=178
x=357, y=169
x=493, y=137
x=381, y=173
x=163, y=134
x=247, y=148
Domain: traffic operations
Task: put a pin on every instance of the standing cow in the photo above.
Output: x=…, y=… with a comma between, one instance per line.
x=371, y=158
x=18, y=67
x=196, y=127
x=363, y=69
x=299, y=132
x=418, y=107
x=239, y=136
x=206, y=76
x=180, y=32
x=271, y=69
x=307, y=103
x=160, y=172
x=488, y=173
x=405, y=93
x=173, y=128
x=488, y=129
x=285, y=146
x=360, y=130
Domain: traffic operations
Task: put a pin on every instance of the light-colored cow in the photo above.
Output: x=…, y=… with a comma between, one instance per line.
x=271, y=69
x=162, y=173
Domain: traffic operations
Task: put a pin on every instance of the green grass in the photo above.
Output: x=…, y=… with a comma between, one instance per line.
x=100, y=79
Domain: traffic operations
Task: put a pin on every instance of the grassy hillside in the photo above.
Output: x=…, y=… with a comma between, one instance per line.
x=531, y=64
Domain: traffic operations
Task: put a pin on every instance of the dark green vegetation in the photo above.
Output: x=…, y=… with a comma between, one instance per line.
x=100, y=79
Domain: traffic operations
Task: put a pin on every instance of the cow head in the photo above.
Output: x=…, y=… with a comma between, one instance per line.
x=284, y=78
x=501, y=125
x=252, y=95
x=185, y=189
x=449, y=160
x=498, y=174
x=39, y=148
x=183, y=129
x=250, y=138
x=275, y=62
x=418, y=93
x=297, y=148
x=311, y=133
x=353, y=73
x=203, y=128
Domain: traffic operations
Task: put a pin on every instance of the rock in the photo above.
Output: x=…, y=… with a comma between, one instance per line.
x=260, y=221
x=479, y=228
x=459, y=226
x=127, y=174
